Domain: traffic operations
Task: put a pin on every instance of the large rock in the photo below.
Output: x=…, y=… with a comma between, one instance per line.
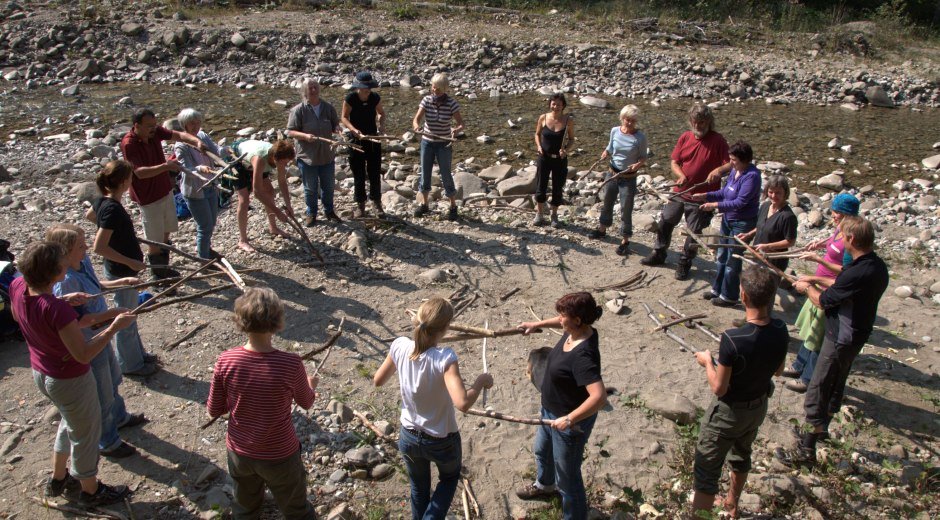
x=932, y=162
x=644, y=222
x=467, y=184
x=87, y=68
x=878, y=97
x=410, y=80
x=364, y=457
x=238, y=40
x=339, y=408
x=496, y=173
x=375, y=39
x=85, y=192
x=595, y=102
x=518, y=185
x=833, y=182
x=131, y=28
x=674, y=407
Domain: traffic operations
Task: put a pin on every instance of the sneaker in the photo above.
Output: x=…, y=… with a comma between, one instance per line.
x=331, y=215
x=150, y=358
x=106, y=495
x=597, y=234
x=539, y=220
x=55, y=487
x=422, y=210
x=657, y=257
x=133, y=419
x=310, y=220
x=555, y=223
x=791, y=372
x=532, y=492
x=798, y=432
x=452, y=213
x=148, y=369
x=798, y=458
x=122, y=451
x=683, y=268
x=709, y=295
x=623, y=249
x=797, y=386
x=721, y=302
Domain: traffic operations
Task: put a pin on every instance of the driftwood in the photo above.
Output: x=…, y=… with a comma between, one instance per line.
x=695, y=324
x=225, y=168
x=473, y=498
x=438, y=137
x=338, y=143
x=292, y=220
x=329, y=342
x=509, y=418
x=96, y=513
x=152, y=301
x=210, y=422
x=683, y=343
x=465, y=501
x=164, y=281
x=537, y=318
x=785, y=276
x=368, y=424
x=509, y=294
x=173, y=301
x=677, y=321
x=458, y=292
x=634, y=280
x=329, y=350
x=486, y=325
x=192, y=332
x=481, y=335
x=460, y=307
x=618, y=176
x=168, y=247
x=697, y=239
x=232, y=274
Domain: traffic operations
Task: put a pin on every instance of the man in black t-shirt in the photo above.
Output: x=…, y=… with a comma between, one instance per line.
x=850, y=304
x=748, y=357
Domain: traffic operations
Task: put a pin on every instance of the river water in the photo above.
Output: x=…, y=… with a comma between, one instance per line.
x=885, y=141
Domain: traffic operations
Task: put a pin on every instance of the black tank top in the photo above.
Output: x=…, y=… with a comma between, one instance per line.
x=362, y=113
x=551, y=140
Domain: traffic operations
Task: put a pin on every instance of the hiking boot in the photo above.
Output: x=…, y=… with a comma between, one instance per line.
x=719, y=301
x=657, y=257
x=106, y=495
x=597, y=234
x=122, y=451
x=332, y=216
x=310, y=220
x=539, y=220
x=709, y=295
x=148, y=369
x=55, y=487
x=683, y=268
x=532, y=492
x=422, y=210
x=133, y=419
x=798, y=458
x=797, y=386
x=623, y=249
x=452, y=213
x=791, y=372
x=798, y=432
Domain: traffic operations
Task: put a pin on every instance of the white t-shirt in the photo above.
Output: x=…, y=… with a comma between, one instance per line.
x=425, y=403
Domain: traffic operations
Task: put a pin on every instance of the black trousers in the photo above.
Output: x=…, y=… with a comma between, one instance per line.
x=369, y=161
x=696, y=219
x=827, y=387
x=557, y=170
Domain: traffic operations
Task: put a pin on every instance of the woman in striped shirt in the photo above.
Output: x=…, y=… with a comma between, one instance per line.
x=437, y=109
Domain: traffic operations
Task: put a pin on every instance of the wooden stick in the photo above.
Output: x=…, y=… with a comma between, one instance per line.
x=164, y=281
x=785, y=276
x=632, y=280
x=466, y=506
x=329, y=349
x=697, y=325
x=685, y=346
x=677, y=321
x=486, y=332
x=509, y=418
x=74, y=510
x=337, y=143
x=368, y=424
x=486, y=325
x=152, y=301
x=618, y=176
x=438, y=137
x=697, y=239
x=168, y=247
x=473, y=499
x=210, y=422
x=496, y=197
x=509, y=294
x=464, y=304
x=458, y=292
x=538, y=318
x=292, y=220
x=192, y=332
x=130, y=510
x=329, y=342
x=231, y=273
x=225, y=168
x=174, y=301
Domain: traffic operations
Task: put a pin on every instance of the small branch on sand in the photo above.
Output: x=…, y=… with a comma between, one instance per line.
x=509, y=294
x=210, y=422
x=189, y=297
x=696, y=324
x=465, y=501
x=473, y=498
x=370, y=425
x=464, y=304
x=329, y=342
x=292, y=221
x=685, y=345
x=337, y=334
x=192, y=332
x=97, y=513
x=635, y=279
x=677, y=321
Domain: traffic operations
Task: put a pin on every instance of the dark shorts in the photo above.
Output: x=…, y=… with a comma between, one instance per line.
x=242, y=178
x=726, y=428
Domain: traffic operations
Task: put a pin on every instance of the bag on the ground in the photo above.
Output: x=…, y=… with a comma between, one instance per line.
x=8, y=273
x=182, y=209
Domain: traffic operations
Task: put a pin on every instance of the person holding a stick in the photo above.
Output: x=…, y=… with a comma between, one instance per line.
x=742, y=381
x=627, y=151
x=59, y=355
x=738, y=201
x=433, y=119
x=203, y=203
x=572, y=394
x=256, y=384
x=262, y=157
x=851, y=306
x=554, y=137
x=80, y=277
x=776, y=223
x=431, y=386
x=364, y=115
x=699, y=160
x=312, y=118
x=116, y=241
x=811, y=322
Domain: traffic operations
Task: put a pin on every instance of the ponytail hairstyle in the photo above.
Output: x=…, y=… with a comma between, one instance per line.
x=114, y=174
x=579, y=305
x=430, y=323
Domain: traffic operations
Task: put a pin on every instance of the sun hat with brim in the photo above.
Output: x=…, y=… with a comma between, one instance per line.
x=845, y=203
x=365, y=80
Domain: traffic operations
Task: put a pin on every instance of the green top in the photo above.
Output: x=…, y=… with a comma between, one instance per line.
x=255, y=148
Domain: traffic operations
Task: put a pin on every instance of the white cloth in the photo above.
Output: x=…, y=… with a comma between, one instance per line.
x=425, y=403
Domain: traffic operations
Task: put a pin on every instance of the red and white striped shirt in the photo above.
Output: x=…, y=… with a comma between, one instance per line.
x=256, y=389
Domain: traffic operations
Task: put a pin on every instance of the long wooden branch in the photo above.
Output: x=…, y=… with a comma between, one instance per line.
x=168, y=247
x=683, y=343
x=369, y=424
x=329, y=342
x=698, y=240
x=635, y=278
x=510, y=418
x=486, y=332
x=677, y=321
x=438, y=137
x=338, y=143
x=192, y=332
x=210, y=422
x=766, y=262
x=165, y=281
x=496, y=197
x=329, y=350
x=292, y=220
x=152, y=301
x=697, y=325
x=618, y=176
x=186, y=298
x=97, y=513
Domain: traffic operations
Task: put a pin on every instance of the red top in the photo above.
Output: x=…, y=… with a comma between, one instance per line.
x=141, y=154
x=41, y=318
x=256, y=389
x=698, y=157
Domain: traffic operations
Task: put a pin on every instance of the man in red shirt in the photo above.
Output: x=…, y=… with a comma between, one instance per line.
x=699, y=160
x=152, y=185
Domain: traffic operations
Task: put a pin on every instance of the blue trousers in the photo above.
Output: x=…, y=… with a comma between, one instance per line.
x=626, y=189
x=558, y=457
x=205, y=212
x=443, y=154
x=318, y=184
x=727, y=282
x=418, y=453
x=128, y=346
x=806, y=363
x=108, y=377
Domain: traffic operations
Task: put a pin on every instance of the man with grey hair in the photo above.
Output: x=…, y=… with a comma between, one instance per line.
x=699, y=160
x=308, y=120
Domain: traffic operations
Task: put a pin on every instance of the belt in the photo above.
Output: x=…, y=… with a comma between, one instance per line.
x=423, y=435
x=753, y=403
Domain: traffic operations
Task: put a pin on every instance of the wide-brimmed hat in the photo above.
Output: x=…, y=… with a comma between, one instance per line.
x=365, y=80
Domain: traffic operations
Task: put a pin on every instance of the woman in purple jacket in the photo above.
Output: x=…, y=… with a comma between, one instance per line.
x=738, y=201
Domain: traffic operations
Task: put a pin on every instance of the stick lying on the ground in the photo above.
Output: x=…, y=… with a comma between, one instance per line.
x=698, y=240
x=168, y=247
x=509, y=418
x=192, y=332
x=509, y=294
x=488, y=334
x=633, y=280
x=210, y=422
x=473, y=499
x=477, y=331
x=368, y=424
x=292, y=220
x=497, y=197
x=756, y=253
x=152, y=301
x=329, y=342
x=188, y=297
x=329, y=349
x=465, y=501
x=696, y=324
x=486, y=325
x=97, y=513
x=683, y=343
x=677, y=321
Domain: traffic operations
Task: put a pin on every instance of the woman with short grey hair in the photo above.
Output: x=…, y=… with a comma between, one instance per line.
x=203, y=201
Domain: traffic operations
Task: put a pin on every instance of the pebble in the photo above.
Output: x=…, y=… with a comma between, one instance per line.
x=904, y=291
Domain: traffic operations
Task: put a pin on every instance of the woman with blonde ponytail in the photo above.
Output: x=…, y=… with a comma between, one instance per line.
x=431, y=387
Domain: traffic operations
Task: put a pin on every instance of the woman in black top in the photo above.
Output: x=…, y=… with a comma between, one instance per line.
x=776, y=222
x=572, y=394
x=364, y=115
x=554, y=135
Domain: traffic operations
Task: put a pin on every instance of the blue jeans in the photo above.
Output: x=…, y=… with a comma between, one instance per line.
x=626, y=188
x=205, y=212
x=806, y=363
x=558, y=457
x=107, y=374
x=128, y=347
x=727, y=282
x=440, y=151
x=418, y=453
x=318, y=183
